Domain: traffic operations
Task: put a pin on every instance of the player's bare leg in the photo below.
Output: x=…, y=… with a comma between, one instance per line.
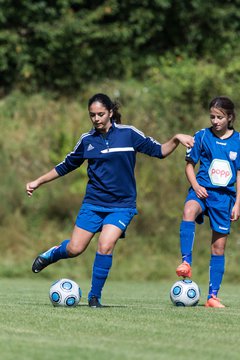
x=68, y=248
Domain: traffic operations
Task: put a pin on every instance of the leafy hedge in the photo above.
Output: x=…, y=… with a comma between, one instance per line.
x=64, y=44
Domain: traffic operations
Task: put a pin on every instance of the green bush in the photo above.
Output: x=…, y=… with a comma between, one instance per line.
x=63, y=45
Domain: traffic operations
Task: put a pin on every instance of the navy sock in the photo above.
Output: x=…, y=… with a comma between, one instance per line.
x=187, y=234
x=216, y=271
x=101, y=267
x=57, y=252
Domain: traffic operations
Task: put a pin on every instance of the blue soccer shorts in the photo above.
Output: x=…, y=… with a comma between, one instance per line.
x=93, y=220
x=217, y=206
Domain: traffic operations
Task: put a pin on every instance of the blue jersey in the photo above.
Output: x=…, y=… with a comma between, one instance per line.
x=219, y=159
x=111, y=161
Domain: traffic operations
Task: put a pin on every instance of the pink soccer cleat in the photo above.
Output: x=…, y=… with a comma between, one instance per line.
x=214, y=302
x=184, y=270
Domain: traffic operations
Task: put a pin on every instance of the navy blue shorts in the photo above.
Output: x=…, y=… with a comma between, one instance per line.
x=217, y=206
x=92, y=220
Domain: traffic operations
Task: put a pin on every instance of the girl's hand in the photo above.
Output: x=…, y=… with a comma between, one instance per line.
x=201, y=192
x=235, y=212
x=186, y=140
x=31, y=186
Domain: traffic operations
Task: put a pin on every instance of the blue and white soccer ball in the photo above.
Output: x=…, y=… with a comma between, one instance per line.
x=65, y=292
x=185, y=293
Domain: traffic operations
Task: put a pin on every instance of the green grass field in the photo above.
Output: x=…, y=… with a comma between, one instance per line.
x=139, y=323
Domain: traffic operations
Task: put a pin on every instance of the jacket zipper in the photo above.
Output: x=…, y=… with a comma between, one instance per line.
x=106, y=141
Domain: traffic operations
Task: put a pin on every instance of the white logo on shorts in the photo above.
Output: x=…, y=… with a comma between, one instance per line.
x=223, y=228
x=121, y=223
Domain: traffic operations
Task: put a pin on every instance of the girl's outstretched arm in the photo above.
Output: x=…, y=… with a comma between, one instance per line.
x=169, y=146
x=33, y=185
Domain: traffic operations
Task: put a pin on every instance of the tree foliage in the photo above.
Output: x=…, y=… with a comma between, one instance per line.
x=63, y=44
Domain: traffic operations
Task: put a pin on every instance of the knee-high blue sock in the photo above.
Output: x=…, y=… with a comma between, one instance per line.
x=216, y=272
x=101, y=267
x=187, y=234
x=57, y=252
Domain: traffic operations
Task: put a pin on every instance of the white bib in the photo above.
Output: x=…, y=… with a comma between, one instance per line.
x=220, y=172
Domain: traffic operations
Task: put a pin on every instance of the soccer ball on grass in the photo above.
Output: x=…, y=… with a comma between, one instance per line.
x=185, y=293
x=65, y=292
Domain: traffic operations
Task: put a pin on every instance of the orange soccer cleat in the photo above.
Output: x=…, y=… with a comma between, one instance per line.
x=184, y=270
x=214, y=302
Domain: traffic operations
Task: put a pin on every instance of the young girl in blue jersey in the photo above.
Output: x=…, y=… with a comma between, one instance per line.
x=110, y=200
x=214, y=191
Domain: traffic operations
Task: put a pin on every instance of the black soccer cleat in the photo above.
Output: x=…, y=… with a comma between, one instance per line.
x=94, y=302
x=40, y=263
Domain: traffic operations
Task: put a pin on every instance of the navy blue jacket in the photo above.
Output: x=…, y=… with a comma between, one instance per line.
x=111, y=163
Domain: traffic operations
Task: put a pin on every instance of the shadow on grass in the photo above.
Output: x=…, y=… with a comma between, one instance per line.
x=106, y=306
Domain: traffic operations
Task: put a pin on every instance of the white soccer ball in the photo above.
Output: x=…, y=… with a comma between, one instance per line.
x=185, y=293
x=65, y=292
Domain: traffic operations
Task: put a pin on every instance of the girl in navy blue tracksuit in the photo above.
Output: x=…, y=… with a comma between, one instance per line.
x=110, y=200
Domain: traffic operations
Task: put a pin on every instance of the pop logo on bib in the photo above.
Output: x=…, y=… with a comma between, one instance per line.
x=220, y=172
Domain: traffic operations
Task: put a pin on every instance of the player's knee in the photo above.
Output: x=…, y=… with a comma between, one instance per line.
x=74, y=250
x=105, y=249
x=189, y=214
x=218, y=250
